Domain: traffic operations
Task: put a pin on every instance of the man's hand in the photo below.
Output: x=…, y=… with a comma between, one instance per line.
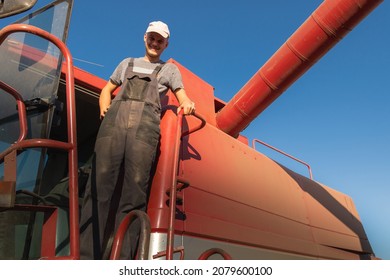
x=103, y=111
x=188, y=107
x=105, y=98
x=185, y=103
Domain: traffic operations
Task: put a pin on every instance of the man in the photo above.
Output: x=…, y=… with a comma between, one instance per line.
x=127, y=140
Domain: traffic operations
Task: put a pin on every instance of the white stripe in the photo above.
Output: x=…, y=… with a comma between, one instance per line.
x=142, y=70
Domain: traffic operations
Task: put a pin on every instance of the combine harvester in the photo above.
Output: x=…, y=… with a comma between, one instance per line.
x=212, y=195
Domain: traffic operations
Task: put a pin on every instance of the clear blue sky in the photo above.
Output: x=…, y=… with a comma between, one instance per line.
x=335, y=117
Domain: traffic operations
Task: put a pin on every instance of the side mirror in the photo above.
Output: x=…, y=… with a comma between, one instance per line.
x=13, y=7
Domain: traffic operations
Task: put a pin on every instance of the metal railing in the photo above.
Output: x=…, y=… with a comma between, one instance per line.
x=214, y=251
x=283, y=153
x=70, y=146
x=175, y=179
x=144, y=240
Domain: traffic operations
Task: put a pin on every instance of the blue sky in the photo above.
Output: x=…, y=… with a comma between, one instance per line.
x=335, y=117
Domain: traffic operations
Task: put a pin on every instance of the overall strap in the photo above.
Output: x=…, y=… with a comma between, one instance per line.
x=158, y=68
x=131, y=63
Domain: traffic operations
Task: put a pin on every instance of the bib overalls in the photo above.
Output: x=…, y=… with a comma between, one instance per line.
x=127, y=139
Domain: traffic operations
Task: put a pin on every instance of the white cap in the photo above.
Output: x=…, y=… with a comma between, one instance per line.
x=158, y=27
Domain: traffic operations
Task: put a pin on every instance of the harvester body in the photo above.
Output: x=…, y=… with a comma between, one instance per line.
x=212, y=193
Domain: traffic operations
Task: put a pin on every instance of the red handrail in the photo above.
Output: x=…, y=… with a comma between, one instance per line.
x=283, y=153
x=173, y=187
x=213, y=251
x=144, y=240
x=172, y=195
x=71, y=145
x=21, y=109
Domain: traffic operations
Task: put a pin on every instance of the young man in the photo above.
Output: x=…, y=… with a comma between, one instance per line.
x=127, y=140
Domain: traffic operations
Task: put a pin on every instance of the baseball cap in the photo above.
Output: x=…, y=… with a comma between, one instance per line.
x=158, y=27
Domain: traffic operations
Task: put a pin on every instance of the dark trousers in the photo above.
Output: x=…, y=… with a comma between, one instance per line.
x=125, y=142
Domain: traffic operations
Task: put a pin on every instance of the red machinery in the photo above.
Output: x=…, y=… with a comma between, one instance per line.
x=214, y=194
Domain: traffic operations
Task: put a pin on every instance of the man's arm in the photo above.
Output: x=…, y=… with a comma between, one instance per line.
x=185, y=102
x=105, y=98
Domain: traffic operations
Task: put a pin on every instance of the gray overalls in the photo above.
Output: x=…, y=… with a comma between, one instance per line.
x=127, y=139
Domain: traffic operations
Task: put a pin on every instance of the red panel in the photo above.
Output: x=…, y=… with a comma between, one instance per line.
x=217, y=163
x=238, y=195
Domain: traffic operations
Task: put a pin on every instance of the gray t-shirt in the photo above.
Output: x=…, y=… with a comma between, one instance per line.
x=169, y=76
